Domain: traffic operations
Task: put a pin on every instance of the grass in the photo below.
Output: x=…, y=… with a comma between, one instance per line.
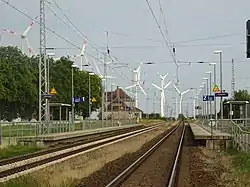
x=17, y=150
x=35, y=181
x=150, y=121
x=30, y=181
x=240, y=160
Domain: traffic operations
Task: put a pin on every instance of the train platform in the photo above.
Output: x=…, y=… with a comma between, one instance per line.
x=201, y=132
x=217, y=140
x=58, y=137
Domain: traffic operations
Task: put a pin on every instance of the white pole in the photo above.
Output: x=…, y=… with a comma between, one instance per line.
x=180, y=103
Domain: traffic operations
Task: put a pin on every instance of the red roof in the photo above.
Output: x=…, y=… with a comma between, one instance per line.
x=120, y=94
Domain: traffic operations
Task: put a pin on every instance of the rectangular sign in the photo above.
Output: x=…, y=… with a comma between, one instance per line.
x=78, y=99
x=47, y=96
x=208, y=97
x=222, y=94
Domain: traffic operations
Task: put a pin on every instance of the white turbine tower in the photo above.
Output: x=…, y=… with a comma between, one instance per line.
x=23, y=37
x=137, y=84
x=181, y=96
x=162, y=90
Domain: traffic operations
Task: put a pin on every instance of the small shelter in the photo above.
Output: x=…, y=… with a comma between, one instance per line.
x=238, y=110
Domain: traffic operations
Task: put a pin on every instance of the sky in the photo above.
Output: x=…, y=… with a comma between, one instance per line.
x=194, y=27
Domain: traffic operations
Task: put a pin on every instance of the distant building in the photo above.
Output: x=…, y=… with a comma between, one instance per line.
x=120, y=106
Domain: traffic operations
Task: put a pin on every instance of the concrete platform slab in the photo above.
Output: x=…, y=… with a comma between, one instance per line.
x=203, y=133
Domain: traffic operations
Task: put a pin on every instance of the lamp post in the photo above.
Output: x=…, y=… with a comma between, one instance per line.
x=207, y=107
x=210, y=92
x=72, y=94
x=111, y=104
x=90, y=101
x=205, y=103
x=221, y=88
x=215, y=111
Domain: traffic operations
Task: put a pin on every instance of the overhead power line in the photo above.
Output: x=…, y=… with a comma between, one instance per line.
x=159, y=27
x=83, y=35
x=54, y=32
x=208, y=38
x=164, y=21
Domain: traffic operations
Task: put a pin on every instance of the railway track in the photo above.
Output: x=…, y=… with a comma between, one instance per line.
x=85, y=139
x=158, y=166
x=22, y=165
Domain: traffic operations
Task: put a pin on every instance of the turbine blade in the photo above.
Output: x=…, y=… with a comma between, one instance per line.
x=185, y=92
x=97, y=69
x=110, y=77
x=142, y=89
x=132, y=86
x=9, y=31
x=156, y=86
x=167, y=85
x=177, y=89
x=29, y=27
x=84, y=46
x=31, y=51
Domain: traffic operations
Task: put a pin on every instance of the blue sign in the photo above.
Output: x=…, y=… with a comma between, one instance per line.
x=221, y=94
x=78, y=99
x=208, y=97
x=205, y=98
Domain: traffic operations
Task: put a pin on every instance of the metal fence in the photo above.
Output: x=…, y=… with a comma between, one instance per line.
x=10, y=131
x=238, y=128
x=240, y=137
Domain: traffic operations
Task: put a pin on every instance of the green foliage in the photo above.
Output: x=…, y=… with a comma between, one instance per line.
x=17, y=150
x=153, y=116
x=19, y=80
x=240, y=160
x=181, y=117
x=241, y=95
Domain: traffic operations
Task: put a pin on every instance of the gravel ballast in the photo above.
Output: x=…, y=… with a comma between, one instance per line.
x=112, y=169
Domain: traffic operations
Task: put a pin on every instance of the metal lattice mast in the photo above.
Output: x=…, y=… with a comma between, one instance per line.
x=233, y=79
x=43, y=87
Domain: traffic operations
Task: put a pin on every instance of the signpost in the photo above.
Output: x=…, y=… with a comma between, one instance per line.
x=216, y=89
x=208, y=97
x=221, y=94
x=53, y=91
x=78, y=99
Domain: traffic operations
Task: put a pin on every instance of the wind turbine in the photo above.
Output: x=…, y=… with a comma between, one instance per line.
x=162, y=89
x=99, y=73
x=23, y=37
x=82, y=54
x=181, y=96
x=137, y=84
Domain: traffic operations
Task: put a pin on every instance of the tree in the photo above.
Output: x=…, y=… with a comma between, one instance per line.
x=19, y=84
x=241, y=95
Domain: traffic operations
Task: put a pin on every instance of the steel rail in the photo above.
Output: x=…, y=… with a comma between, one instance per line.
x=129, y=170
x=172, y=179
x=85, y=139
x=9, y=172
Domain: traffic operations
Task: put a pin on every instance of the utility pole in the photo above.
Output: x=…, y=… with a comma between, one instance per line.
x=154, y=103
x=233, y=79
x=43, y=86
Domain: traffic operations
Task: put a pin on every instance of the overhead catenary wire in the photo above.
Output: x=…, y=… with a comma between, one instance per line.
x=47, y=28
x=208, y=38
x=58, y=35
x=163, y=36
x=164, y=21
x=64, y=22
x=83, y=35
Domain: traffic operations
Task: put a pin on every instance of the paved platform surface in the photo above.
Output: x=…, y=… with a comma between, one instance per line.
x=203, y=132
x=75, y=134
